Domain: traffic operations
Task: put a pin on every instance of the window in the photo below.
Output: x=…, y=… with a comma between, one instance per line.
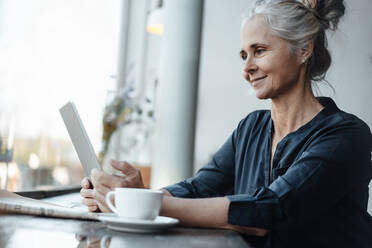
x=52, y=52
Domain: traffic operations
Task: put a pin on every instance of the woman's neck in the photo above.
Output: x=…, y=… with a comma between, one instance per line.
x=293, y=110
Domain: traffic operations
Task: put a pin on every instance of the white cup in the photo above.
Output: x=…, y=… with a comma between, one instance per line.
x=135, y=203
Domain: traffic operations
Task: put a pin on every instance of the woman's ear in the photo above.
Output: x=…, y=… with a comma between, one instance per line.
x=307, y=51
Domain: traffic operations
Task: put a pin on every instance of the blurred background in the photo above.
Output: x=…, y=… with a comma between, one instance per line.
x=156, y=83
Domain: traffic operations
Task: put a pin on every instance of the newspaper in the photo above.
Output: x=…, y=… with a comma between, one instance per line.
x=11, y=203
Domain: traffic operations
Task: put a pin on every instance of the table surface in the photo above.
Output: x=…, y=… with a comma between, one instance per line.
x=32, y=231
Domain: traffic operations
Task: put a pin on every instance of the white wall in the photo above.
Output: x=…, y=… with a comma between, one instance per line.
x=351, y=51
x=225, y=98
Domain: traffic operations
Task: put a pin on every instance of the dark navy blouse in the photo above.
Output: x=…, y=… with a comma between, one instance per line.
x=318, y=193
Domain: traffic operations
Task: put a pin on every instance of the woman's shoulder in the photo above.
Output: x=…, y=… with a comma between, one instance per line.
x=334, y=120
x=348, y=122
x=345, y=128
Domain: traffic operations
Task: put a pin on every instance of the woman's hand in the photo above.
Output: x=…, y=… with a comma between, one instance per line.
x=88, y=196
x=102, y=182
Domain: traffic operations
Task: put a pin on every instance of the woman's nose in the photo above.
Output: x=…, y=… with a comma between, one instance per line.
x=249, y=66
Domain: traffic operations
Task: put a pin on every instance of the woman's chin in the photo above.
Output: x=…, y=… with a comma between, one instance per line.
x=261, y=95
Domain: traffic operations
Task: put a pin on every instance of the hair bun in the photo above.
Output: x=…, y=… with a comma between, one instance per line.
x=329, y=11
x=311, y=4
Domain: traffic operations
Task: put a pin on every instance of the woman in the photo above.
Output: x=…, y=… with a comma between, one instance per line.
x=297, y=174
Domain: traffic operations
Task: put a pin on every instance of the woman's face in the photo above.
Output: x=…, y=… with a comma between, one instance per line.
x=269, y=66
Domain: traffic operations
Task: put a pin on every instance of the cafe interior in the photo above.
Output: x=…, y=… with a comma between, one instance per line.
x=157, y=83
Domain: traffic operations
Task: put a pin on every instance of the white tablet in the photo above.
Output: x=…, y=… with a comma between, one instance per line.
x=79, y=138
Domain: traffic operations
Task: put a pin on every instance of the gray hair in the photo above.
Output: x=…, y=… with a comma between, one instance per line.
x=299, y=24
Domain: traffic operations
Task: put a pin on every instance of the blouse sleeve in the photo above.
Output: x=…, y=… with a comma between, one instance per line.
x=214, y=179
x=332, y=166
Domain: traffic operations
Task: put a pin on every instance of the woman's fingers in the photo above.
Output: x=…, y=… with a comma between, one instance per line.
x=87, y=193
x=90, y=202
x=85, y=183
x=95, y=198
x=107, y=180
x=88, y=199
x=93, y=208
x=102, y=189
x=124, y=167
x=101, y=201
x=133, y=177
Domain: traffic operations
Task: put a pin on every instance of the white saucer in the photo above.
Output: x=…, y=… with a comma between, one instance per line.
x=117, y=223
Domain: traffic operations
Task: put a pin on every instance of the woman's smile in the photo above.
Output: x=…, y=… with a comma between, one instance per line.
x=255, y=82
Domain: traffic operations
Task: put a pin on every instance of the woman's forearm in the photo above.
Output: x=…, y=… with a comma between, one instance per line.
x=204, y=212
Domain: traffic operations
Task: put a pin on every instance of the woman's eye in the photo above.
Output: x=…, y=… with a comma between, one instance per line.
x=243, y=55
x=260, y=51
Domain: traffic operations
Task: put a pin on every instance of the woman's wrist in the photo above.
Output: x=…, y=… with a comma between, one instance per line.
x=166, y=192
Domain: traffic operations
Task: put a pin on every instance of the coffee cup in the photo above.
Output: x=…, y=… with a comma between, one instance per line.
x=134, y=203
